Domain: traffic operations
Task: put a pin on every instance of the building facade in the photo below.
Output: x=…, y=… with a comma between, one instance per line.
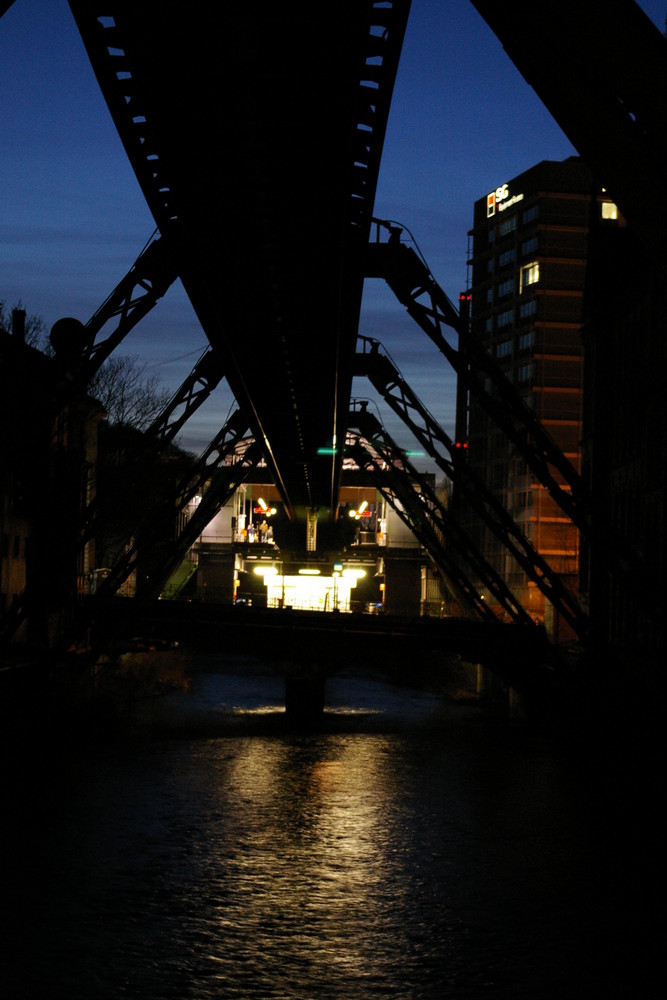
x=624, y=564
x=48, y=458
x=527, y=280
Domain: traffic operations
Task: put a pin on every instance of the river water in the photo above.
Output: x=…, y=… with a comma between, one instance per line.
x=411, y=847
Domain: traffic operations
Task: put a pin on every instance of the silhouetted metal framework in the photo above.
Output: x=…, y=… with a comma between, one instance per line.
x=415, y=287
x=256, y=136
x=411, y=281
x=195, y=390
x=76, y=345
x=381, y=371
x=160, y=543
x=81, y=355
x=601, y=70
x=414, y=501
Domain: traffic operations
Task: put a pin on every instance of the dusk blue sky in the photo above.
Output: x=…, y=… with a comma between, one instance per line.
x=73, y=220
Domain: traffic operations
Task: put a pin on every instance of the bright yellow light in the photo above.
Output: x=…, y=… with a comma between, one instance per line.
x=352, y=513
x=356, y=573
x=265, y=570
x=363, y=506
x=309, y=572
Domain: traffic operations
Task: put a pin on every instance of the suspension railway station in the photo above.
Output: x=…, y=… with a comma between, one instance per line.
x=302, y=501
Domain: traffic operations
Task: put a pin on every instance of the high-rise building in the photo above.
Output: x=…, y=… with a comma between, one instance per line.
x=527, y=273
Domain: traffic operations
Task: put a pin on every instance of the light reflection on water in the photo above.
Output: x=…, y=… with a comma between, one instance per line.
x=409, y=849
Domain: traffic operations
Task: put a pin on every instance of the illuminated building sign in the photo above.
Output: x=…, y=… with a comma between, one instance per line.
x=500, y=200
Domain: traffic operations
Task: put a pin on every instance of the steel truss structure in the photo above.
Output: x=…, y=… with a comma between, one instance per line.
x=169, y=74
x=414, y=286
x=409, y=277
x=374, y=362
x=415, y=502
x=134, y=296
x=160, y=542
x=195, y=390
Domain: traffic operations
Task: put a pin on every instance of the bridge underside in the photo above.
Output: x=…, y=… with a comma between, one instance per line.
x=256, y=140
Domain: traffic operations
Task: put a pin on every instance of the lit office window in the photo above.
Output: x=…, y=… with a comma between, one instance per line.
x=609, y=210
x=530, y=274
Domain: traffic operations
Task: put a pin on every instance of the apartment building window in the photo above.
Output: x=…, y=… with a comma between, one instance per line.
x=529, y=246
x=526, y=341
x=507, y=257
x=523, y=499
x=530, y=275
x=524, y=373
x=505, y=318
x=507, y=226
x=504, y=350
x=530, y=214
x=506, y=288
x=608, y=210
x=528, y=309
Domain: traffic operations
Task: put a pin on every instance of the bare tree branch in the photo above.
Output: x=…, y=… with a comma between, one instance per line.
x=127, y=393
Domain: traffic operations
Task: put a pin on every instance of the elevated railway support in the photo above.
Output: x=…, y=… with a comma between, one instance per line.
x=176, y=77
x=159, y=542
x=152, y=442
x=411, y=281
x=79, y=351
x=416, y=504
x=162, y=540
x=413, y=284
x=375, y=363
